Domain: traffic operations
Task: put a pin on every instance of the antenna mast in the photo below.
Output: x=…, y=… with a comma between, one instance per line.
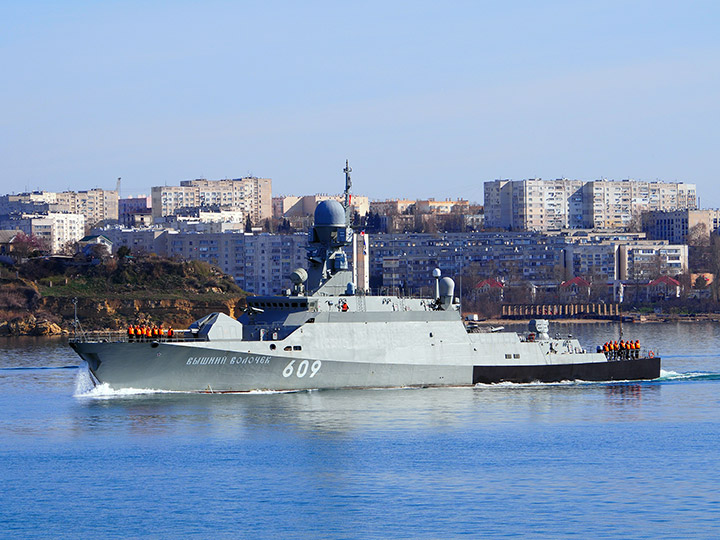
x=348, y=184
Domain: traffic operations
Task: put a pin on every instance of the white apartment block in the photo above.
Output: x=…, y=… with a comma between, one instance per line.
x=624, y=260
x=252, y=196
x=95, y=204
x=55, y=228
x=542, y=205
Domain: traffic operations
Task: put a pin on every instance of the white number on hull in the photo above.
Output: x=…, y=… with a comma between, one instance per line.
x=288, y=369
x=302, y=368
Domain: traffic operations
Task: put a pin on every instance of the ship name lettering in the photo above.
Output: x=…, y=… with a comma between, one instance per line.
x=250, y=360
x=206, y=360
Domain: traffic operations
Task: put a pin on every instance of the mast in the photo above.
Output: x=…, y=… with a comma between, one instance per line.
x=348, y=184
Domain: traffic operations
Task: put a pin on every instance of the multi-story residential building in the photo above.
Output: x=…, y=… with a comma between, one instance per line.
x=635, y=260
x=407, y=260
x=294, y=206
x=391, y=207
x=55, y=228
x=431, y=206
x=394, y=207
x=131, y=207
x=95, y=204
x=139, y=240
x=30, y=202
x=542, y=205
x=675, y=226
x=251, y=195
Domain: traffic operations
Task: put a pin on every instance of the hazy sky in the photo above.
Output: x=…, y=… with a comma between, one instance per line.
x=426, y=99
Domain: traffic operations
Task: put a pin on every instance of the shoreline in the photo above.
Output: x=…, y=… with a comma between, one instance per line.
x=625, y=319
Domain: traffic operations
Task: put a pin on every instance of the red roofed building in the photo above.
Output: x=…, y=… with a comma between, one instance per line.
x=490, y=285
x=575, y=287
x=663, y=287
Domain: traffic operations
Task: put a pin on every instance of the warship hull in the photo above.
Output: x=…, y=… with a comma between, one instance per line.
x=189, y=368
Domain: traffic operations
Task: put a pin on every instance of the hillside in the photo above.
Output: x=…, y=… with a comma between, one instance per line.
x=36, y=298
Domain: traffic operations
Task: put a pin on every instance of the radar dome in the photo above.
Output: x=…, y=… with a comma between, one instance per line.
x=329, y=214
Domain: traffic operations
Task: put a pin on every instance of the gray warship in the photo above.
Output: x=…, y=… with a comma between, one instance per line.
x=326, y=333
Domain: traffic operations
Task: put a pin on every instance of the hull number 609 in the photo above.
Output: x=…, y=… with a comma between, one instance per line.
x=302, y=368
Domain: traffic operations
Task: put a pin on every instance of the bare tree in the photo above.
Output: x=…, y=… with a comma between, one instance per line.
x=698, y=235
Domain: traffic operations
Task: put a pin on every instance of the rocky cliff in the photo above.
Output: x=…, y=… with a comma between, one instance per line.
x=152, y=292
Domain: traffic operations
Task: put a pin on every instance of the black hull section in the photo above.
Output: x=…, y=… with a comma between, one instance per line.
x=621, y=370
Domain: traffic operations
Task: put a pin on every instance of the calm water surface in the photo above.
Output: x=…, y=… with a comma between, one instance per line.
x=616, y=460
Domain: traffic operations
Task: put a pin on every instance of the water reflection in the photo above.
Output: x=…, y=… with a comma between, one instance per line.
x=347, y=412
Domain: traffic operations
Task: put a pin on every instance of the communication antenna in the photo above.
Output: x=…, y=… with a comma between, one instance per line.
x=348, y=184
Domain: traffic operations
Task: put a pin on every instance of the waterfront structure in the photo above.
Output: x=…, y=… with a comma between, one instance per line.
x=675, y=226
x=251, y=195
x=542, y=205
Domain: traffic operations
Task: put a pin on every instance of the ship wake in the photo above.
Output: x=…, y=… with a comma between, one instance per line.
x=87, y=387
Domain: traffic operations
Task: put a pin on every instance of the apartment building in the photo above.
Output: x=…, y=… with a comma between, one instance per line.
x=391, y=207
x=131, y=207
x=57, y=229
x=95, y=204
x=251, y=195
x=406, y=261
x=296, y=206
x=675, y=226
x=542, y=205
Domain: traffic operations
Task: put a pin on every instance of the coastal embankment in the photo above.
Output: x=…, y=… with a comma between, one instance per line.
x=42, y=298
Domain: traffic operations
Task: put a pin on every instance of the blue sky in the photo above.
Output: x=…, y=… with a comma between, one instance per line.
x=426, y=99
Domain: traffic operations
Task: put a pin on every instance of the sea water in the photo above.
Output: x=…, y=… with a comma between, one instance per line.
x=567, y=460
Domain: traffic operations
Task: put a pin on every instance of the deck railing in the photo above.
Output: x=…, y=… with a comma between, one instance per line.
x=118, y=336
